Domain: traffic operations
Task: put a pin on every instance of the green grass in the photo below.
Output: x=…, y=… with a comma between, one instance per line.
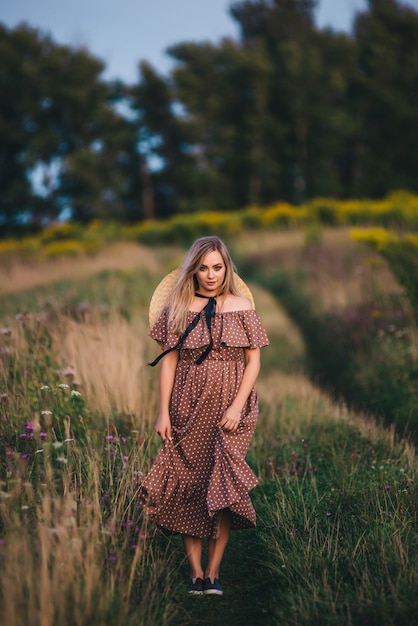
x=336, y=540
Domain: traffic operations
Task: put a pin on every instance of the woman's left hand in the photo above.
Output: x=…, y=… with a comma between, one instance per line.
x=230, y=420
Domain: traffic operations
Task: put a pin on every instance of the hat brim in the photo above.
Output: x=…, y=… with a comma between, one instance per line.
x=162, y=293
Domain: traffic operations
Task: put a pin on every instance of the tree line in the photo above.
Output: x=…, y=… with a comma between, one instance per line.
x=287, y=112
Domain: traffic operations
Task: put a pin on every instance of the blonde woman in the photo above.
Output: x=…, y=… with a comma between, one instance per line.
x=211, y=335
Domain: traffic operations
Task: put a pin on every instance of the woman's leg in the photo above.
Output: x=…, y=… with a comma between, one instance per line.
x=216, y=547
x=193, y=547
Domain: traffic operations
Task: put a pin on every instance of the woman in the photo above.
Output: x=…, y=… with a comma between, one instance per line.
x=198, y=486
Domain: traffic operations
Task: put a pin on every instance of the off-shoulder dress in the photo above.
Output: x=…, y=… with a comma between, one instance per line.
x=203, y=469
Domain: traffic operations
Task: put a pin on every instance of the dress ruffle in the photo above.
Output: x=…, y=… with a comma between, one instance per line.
x=168, y=488
x=231, y=479
x=237, y=329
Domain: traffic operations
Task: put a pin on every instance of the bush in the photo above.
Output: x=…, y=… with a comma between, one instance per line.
x=282, y=214
x=61, y=232
x=251, y=217
x=68, y=247
x=151, y=232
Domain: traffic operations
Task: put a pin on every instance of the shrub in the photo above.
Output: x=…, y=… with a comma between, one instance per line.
x=8, y=246
x=325, y=211
x=151, y=232
x=60, y=232
x=282, y=214
x=251, y=217
x=57, y=249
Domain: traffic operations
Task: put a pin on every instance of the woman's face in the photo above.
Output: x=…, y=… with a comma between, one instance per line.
x=210, y=274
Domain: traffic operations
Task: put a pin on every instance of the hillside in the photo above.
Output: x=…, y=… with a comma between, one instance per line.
x=336, y=541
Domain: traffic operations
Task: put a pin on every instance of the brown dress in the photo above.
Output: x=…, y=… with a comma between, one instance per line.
x=203, y=469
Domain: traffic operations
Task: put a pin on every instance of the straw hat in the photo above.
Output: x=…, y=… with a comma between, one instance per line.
x=163, y=291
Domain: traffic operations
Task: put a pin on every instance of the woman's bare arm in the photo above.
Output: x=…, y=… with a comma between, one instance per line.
x=231, y=417
x=167, y=373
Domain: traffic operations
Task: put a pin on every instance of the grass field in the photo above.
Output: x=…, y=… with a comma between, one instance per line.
x=336, y=541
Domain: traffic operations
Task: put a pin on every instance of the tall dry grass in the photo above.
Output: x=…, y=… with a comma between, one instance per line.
x=75, y=548
x=107, y=356
x=63, y=562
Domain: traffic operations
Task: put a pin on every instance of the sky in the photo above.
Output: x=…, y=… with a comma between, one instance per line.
x=123, y=32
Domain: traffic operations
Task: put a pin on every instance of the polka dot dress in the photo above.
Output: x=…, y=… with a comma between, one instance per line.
x=203, y=469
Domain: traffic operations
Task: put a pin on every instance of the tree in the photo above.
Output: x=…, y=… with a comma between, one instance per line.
x=164, y=141
x=17, y=120
x=222, y=92
x=57, y=115
x=387, y=97
x=273, y=20
x=310, y=120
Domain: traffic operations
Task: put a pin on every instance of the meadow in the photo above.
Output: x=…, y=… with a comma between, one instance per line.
x=336, y=541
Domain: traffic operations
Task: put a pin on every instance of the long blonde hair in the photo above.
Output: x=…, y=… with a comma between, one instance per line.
x=186, y=285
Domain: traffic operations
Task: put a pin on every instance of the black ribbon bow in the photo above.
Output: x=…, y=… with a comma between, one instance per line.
x=209, y=310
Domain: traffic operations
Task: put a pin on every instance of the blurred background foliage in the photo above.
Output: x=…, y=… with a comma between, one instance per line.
x=287, y=113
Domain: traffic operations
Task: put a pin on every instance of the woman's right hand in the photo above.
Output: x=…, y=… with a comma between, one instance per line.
x=163, y=427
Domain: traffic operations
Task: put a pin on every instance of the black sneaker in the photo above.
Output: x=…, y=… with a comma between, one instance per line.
x=195, y=588
x=212, y=587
